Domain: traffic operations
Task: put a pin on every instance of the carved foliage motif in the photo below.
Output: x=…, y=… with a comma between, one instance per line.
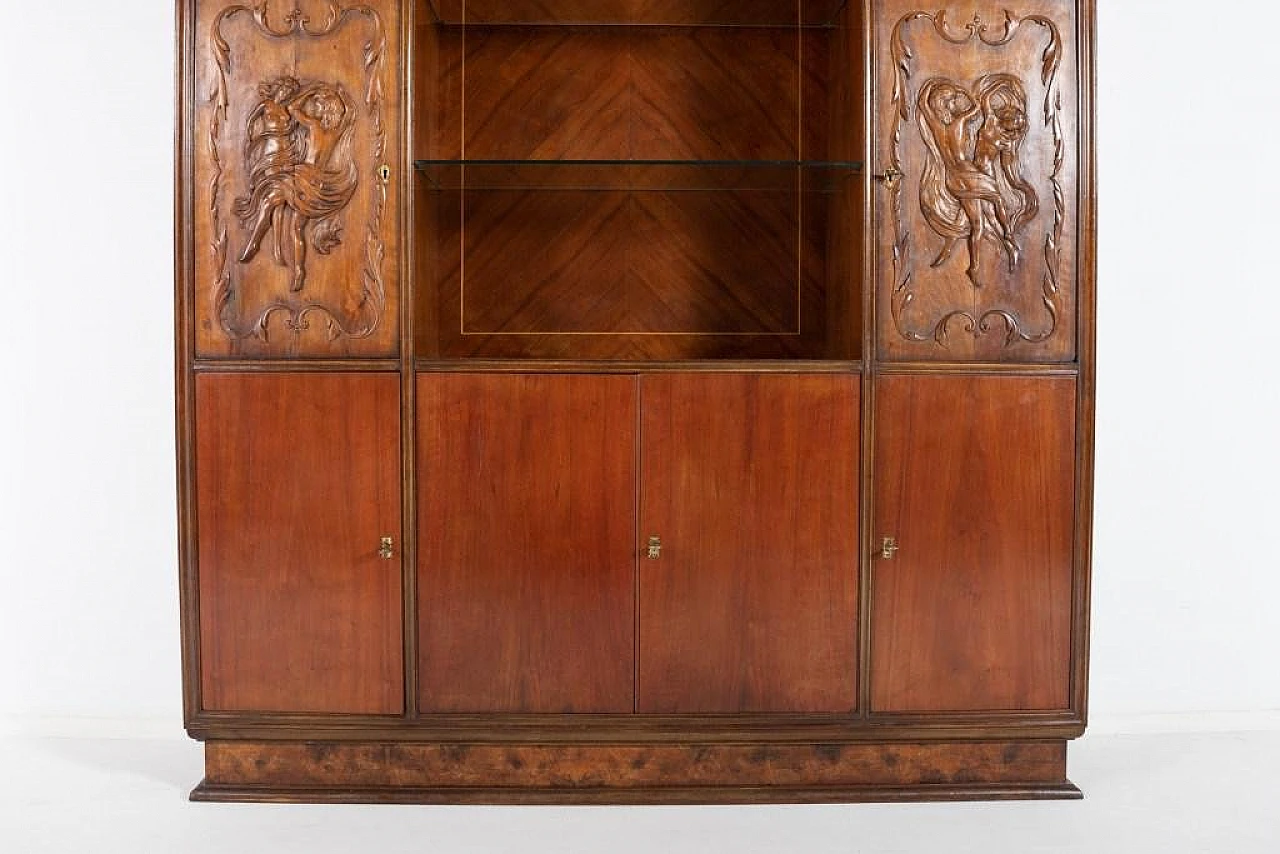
x=974, y=188
x=300, y=173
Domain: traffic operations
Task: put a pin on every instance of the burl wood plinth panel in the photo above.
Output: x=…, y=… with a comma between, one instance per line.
x=695, y=773
x=298, y=480
x=297, y=162
x=976, y=242
x=526, y=572
x=975, y=478
x=751, y=482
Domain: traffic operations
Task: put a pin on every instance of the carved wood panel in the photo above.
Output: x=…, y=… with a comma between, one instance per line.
x=297, y=158
x=976, y=149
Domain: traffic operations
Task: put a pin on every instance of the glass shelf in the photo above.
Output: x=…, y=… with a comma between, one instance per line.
x=788, y=176
x=660, y=13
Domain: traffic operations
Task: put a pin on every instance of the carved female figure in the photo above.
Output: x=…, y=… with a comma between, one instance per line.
x=298, y=155
x=1004, y=107
x=961, y=193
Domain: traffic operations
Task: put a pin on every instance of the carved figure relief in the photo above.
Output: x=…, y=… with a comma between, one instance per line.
x=973, y=188
x=295, y=143
x=298, y=157
x=966, y=139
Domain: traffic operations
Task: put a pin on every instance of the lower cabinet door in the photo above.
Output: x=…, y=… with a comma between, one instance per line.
x=526, y=563
x=974, y=480
x=748, y=597
x=298, y=482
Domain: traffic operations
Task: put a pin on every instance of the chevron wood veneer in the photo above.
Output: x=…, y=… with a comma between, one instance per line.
x=608, y=272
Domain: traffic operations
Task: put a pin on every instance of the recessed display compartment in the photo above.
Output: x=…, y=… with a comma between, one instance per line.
x=723, y=13
x=650, y=181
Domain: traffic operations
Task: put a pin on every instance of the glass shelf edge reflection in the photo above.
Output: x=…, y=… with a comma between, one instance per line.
x=638, y=175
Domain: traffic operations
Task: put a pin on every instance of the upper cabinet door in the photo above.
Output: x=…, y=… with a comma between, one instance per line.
x=749, y=543
x=976, y=144
x=974, y=479
x=298, y=493
x=295, y=149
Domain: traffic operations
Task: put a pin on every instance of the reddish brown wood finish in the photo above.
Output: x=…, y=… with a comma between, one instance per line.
x=294, y=120
x=845, y=211
x=751, y=483
x=526, y=571
x=997, y=98
x=653, y=12
x=370, y=766
x=625, y=266
x=620, y=93
x=298, y=479
x=385, y=757
x=975, y=479
x=606, y=271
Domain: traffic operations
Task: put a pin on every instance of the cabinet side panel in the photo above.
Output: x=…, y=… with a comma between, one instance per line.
x=297, y=483
x=975, y=107
x=298, y=153
x=750, y=482
x=974, y=479
x=526, y=518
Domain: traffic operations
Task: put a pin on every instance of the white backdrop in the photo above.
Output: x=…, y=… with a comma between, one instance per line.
x=1187, y=579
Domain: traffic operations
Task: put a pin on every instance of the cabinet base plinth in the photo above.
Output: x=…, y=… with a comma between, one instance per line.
x=424, y=773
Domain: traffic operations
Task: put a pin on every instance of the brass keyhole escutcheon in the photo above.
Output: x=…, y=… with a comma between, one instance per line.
x=890, y=178
x=387, y=549
x=384, y=173
x=655, y=548
x=888, y=548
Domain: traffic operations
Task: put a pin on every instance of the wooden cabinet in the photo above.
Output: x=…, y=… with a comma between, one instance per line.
x=298, y=482
x=297, y=117
x=526, y=525
x=978, y=133
x=635, y=402
x=750, y=485
x=974, y=483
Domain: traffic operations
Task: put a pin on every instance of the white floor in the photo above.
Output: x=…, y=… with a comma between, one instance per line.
x=1191, y=792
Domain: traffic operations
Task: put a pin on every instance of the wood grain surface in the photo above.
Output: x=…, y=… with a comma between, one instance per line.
x=974, y=478
x=632, y=766
x=298, y=479
x=296, y=234
x=640, y=12
x=976, y=244
x=601, y=268
x=526, y=564
x=751, y=483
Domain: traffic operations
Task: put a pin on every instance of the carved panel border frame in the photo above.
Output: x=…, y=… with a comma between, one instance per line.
x=1013, y=327
x=297, y=24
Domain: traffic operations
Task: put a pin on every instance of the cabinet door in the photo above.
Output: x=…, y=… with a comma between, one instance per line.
x=295, y=139
x=975, y=479
x=751, y=483
x=976, y=109
x=526, y=519
x=297, y=482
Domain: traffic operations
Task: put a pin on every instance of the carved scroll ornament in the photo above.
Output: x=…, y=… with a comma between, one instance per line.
x=299, y=166
x=974, y=189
